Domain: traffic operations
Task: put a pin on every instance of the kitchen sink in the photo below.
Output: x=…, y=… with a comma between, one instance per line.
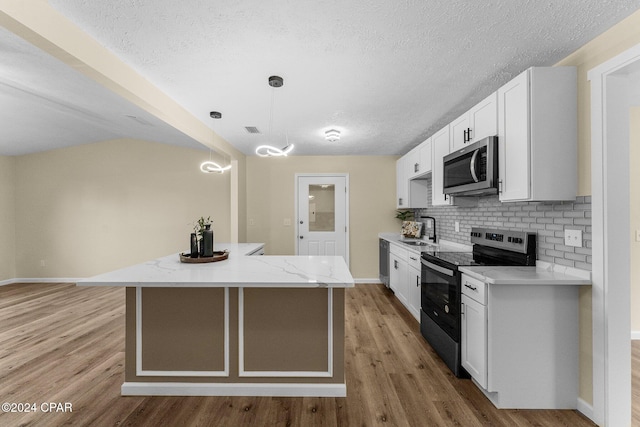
x=418, y=243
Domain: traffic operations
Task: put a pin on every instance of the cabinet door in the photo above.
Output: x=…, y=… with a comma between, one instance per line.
x=440, y=143
x=394, y=272
x=474, y=339
x=402, y=184
x=403, y=283
x=412, y=164
x=483, y=118
x=513, y=139
x=425, y=156
x=458, y=129
x=413, y=294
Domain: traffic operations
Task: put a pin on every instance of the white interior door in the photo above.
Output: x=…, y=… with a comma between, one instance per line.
x=322, y=215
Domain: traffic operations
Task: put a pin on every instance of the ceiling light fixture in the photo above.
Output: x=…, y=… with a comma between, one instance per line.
x=332, y=135
x=268, y=150
x=209, y=166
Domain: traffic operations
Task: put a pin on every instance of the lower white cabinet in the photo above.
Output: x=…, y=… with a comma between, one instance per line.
x=413, y=291
x=520, y=343
x=404, y=278
x=474, y=339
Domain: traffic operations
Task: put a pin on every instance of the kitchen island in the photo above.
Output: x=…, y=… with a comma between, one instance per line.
x=245, y=326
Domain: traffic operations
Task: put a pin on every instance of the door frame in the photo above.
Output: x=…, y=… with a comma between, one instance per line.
x=611, y=241
x=346, y=206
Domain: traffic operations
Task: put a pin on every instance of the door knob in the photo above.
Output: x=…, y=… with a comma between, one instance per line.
x=301, y=222
x=302, y=237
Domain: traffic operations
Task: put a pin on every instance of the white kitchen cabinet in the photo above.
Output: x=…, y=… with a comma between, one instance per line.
x=419, y=160
x=477, y=123
x=440, y=142
x=404, y=277
x=413, y=286
x=473, y=330
x=402, y=184
x=521, y=346
x=537, y=136
x=399, y=273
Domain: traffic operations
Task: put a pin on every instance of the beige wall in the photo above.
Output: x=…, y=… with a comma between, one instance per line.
x=92, y=208
x=616, y=40
x=7, y=219
x=271, y=199
x=634, y=155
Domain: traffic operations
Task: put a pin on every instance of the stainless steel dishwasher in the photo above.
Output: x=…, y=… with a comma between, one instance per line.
x=384, y=262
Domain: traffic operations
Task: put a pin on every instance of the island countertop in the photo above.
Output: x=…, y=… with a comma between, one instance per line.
x=236, y=271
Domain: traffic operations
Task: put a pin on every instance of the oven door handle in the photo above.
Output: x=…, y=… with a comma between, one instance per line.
x=437, y=268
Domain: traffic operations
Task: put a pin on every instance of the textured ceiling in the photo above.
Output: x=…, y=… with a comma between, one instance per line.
x=387, y=73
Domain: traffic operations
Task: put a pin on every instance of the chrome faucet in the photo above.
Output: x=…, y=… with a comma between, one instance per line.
x=434, y=228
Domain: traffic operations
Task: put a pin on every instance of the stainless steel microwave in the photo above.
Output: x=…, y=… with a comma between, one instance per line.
x=472, y=170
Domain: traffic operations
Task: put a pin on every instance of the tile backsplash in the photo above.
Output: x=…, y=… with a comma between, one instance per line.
x=548, y=219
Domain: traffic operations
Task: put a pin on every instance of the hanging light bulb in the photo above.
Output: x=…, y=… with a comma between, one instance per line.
x=209, y=166
x=268, y=150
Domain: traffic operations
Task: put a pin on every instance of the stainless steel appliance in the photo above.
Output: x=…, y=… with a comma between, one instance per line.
x=441, y=285
x=472, y=170
x=384, y=262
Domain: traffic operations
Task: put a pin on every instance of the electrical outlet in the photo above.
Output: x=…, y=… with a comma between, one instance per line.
x=573, y=238
x=43, y=263
x=457, y=224
x=252, y=221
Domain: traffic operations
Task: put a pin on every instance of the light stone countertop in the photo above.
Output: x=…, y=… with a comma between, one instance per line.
x=442, y=245
x=542, y=274
x=236, y=271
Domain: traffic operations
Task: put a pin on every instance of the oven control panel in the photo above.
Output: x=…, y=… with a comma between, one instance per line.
x=520, y=241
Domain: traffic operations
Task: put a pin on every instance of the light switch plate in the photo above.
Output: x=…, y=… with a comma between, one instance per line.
x=573, y=238
x=457, y=224
x=286, y=222
x=637, y=235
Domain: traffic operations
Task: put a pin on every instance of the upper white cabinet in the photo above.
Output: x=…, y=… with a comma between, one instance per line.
x=440, y=141
x=477, y=123
x=402, y=184
x=419, y=160
x=411, y=191
x=537, y=136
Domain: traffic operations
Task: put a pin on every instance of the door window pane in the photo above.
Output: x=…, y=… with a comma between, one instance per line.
x=322, y=207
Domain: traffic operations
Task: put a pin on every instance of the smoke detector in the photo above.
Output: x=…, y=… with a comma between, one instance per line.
x=276, y=81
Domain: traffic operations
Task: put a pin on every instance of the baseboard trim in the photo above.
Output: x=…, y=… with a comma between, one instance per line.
x=40, y=280
x=635, y=335
x=368, y=281
x=233, y=389
x=585, y=409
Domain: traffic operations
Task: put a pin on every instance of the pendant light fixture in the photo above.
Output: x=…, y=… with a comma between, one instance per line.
x=209, y=166
x=268, y=150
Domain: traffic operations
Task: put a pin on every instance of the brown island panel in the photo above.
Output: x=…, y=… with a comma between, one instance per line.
x=286, y=335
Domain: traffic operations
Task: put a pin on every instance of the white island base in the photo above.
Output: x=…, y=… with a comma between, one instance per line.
x=246, y=326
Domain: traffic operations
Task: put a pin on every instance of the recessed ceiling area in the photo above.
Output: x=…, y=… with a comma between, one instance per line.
x=45, y=104
x=386, y=74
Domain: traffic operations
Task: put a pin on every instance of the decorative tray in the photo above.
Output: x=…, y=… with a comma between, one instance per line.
x=217, y=256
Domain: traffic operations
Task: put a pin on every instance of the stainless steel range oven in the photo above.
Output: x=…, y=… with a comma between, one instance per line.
x=441, y=285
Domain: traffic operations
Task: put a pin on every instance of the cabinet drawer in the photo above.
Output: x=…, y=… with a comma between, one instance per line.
x=474, y=289
x=400, y=252
x=413, y=259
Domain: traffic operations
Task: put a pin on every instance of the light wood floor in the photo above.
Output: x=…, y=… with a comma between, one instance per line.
x=62, y=343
